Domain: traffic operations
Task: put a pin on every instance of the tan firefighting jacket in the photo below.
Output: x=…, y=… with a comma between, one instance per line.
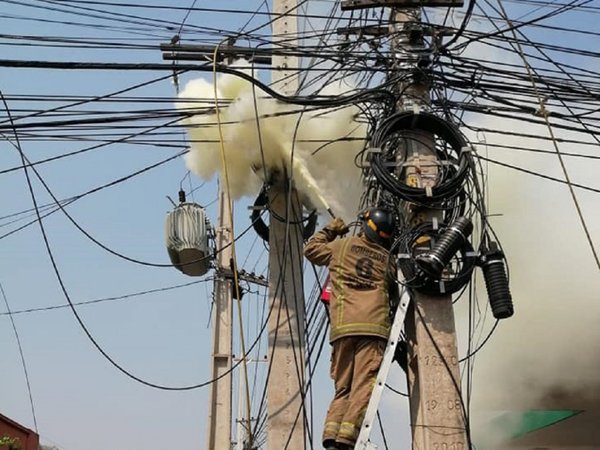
x=359, y=303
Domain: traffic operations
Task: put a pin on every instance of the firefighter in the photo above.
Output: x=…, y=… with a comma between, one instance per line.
x=360, y=316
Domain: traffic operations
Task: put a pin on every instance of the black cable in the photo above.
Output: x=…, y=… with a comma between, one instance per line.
x=562, y=9
x=191, y=9
x=61, y=207
x=275, y=287
x=362, y=96
x=105, y=299
x=28, y=224
x=187, y=14
x=94, y=99
x=537, y=174
x=500, y=83
x=382, y=431
x=22, y=355
x=570, y=110
x=403, y=394
x=288, y=243
x=94, y=147
x=72, y=306
x=450, y=374
x=487, y=338
x=319, y=342
x=462, y=27
x=387, y=134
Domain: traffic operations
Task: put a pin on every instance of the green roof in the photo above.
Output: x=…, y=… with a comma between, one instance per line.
x=519, y=423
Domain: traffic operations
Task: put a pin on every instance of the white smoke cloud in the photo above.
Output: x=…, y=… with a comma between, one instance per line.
x=323, y=158
x=546, y=356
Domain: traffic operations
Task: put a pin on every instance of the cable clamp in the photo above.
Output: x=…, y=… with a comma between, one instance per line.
x=442, y=286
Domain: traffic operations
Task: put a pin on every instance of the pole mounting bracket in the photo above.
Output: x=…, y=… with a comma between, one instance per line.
x=348, y=5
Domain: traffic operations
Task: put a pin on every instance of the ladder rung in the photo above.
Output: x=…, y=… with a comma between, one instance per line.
x=362, y=443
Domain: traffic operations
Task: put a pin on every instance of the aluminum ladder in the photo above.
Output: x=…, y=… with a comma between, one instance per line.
x=363, y=443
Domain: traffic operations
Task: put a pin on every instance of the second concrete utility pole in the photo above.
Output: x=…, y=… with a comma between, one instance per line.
x=285, y=389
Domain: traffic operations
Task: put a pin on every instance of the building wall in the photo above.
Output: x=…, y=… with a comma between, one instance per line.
x=28, y=440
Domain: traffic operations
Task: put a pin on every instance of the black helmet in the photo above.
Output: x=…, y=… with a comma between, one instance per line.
x=378, y=225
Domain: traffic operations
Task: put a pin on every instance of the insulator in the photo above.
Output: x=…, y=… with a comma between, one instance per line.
x=453, y=238
x=496, y=282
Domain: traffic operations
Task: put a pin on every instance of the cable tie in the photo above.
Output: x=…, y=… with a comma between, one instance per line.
x=442, y=287
x=404, y=256
x=374, y=150
x=428, y=191
x=435, y=223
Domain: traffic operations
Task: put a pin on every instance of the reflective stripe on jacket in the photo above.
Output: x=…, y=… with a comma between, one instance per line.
x=359, y=304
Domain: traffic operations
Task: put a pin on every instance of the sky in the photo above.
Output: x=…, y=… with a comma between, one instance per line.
x=81, y=401
x=84, y=403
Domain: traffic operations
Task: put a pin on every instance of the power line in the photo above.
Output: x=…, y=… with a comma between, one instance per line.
x=22, y=355
x=67, y=295
x=105, y=299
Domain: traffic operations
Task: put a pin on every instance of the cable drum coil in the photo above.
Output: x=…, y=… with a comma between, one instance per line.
x=262, y=229
x=455, y=161
x=455, y=276
x=187, y=239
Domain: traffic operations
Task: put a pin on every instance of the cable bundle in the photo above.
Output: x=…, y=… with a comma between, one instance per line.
x=418, y=241
x=262, y=229
x=453, y=170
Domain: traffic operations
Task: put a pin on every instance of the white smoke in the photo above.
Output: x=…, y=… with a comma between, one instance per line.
x=546, y=356
x=317, y=147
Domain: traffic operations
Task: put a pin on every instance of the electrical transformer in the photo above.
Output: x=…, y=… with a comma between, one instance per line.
x=186, y=234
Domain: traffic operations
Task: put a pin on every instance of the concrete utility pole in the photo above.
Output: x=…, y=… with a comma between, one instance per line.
x=286, y=293
x=219, y=412
x=437, y=416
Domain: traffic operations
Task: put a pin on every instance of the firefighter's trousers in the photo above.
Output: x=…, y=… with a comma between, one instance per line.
x=355, y=361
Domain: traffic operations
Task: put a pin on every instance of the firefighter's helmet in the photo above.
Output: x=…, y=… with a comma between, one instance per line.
x=378, y=225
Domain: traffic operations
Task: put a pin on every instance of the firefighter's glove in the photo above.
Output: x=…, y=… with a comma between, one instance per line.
x=337, y=227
